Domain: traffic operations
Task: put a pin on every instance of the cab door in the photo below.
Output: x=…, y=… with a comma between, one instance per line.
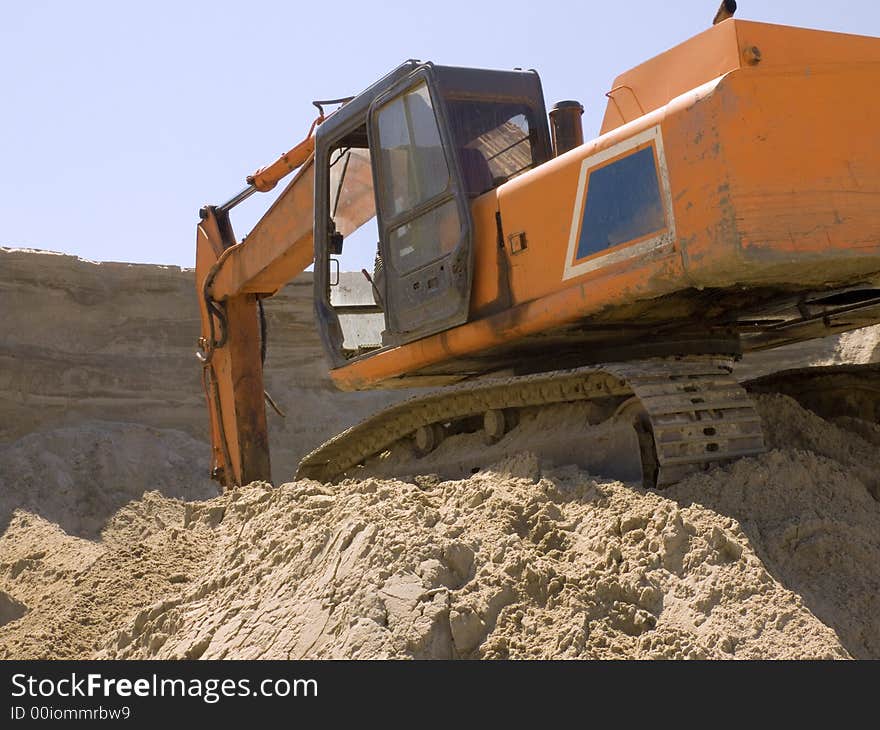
x=423, y=212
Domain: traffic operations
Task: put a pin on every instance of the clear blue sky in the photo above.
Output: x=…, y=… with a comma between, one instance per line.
x=120, y=119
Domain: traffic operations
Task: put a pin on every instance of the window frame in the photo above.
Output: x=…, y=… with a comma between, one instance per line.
x=415, y=309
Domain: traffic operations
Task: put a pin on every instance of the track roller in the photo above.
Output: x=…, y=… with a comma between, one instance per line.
x=427, y=438
x=497, y=422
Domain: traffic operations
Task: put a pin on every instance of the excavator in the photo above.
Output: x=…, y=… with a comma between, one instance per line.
x=598, y=290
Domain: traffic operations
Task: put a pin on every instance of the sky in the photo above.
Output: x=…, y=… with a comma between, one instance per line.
x=119, y=120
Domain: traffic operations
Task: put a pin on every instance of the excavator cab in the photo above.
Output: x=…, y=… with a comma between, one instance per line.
x=404, y=160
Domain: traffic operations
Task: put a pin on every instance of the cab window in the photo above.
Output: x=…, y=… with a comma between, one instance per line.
x=415, y=177
x=496, y=141
x=414, y=163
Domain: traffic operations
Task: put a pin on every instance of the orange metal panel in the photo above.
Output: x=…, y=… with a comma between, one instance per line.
x=491, y=285
x=782, y=46
x=541, y=203
x=771, y=190
x=652, y=278
x=657, y=81
x=545, y=219
x=720, y=49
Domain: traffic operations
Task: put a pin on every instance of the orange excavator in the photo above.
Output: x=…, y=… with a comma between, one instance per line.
x=596, y=292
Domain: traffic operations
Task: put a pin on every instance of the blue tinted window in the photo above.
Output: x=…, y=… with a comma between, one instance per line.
x=623, y=203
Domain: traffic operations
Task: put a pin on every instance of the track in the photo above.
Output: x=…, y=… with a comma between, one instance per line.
x=831, y=392
x=688, y=413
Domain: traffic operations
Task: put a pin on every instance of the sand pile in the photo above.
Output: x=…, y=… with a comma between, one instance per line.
x=83, y=540
x=72, y=591
x=859, y=346
x=777, y=556
x=78, y=477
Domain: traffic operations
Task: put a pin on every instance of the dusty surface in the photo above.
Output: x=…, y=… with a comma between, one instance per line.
x=116, y=342
x=811, y=513
x=113, y=542
x=776, y=556
x=73, y=590
x=78, y=477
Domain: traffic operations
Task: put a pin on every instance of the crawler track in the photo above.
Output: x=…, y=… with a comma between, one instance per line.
x=837, y=390
x=691, y=413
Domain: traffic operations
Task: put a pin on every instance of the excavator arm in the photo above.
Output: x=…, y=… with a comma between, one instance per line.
x=231, y=280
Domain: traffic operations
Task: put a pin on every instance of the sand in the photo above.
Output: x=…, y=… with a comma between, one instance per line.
x=113, y=542
x=771, y=557
x=116, y=342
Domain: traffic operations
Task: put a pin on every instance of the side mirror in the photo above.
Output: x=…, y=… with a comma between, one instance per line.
x=335, y=244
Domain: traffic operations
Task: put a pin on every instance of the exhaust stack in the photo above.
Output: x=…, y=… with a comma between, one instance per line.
x=565, y=126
